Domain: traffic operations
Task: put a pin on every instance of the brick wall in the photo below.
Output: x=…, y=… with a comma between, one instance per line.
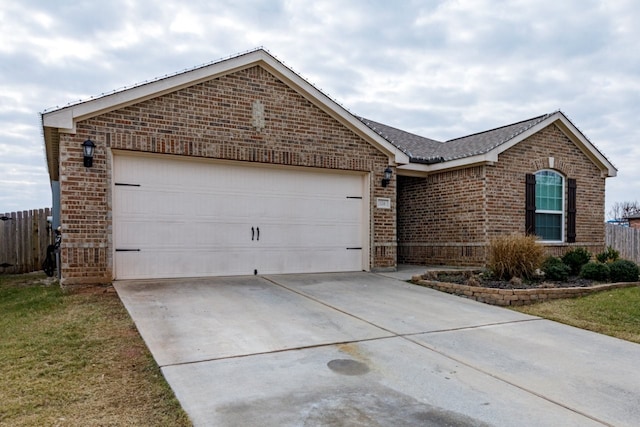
x=441, y=218
x=448, y=218
x=212, y=120
x=506, y=187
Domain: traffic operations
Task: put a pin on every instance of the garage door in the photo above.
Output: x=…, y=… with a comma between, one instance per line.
x=178, y=217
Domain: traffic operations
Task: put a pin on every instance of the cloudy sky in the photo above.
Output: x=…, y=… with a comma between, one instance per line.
x=438, y=68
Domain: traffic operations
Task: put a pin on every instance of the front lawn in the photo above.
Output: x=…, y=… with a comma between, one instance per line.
x=614, y=312
x=76, y=359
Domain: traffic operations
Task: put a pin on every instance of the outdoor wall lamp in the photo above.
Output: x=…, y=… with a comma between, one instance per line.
x=387, y=176
x=87, y=148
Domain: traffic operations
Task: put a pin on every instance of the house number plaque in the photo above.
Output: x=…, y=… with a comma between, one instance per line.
x=383, y=203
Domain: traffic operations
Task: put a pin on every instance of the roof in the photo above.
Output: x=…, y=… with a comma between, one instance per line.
x=415, y=146
x=413, y=154
x=486, y=141
x=484, y=147
x=63, y=120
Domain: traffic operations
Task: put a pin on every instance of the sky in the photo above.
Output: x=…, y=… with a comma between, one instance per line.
x=440, y=69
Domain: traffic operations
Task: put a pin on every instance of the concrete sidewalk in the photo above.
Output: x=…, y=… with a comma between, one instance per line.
x=365, y=349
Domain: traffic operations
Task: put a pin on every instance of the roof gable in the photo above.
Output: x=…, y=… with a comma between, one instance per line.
x=64, y=120
x=428, y=155
x=412, y=153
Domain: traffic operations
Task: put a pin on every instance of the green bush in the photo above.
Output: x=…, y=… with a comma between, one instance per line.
x=515, y=256
x=623, y=271
x=595, y=271
x=609, y=255
x=576, y=258
x=555, y=269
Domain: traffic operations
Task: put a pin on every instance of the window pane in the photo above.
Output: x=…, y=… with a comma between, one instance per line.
x=548, y=191
x=549, y=226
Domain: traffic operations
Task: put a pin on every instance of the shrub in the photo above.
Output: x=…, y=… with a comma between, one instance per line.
x=555, y=269
x=623, y=271
x=576, y=258
x=609, y=255
x=514, y=256
x=595, y=271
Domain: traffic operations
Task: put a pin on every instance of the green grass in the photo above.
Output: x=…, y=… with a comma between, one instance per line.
x=76, y=359
x=614, y=312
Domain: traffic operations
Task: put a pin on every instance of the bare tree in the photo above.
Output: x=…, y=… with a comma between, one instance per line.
x=621, y=210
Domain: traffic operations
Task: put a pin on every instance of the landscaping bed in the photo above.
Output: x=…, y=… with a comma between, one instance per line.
x=462, y=278
x=477, y=286
x=520, y=273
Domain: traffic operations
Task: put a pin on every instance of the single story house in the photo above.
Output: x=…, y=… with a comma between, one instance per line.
x=243, y=167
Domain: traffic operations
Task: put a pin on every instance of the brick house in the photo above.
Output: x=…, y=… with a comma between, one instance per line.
x=243, y=167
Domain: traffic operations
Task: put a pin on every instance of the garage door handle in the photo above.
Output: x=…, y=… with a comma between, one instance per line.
x=253, y=232
x=258, y=228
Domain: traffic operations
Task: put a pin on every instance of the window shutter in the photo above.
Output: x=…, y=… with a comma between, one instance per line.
x=571, y=211
x=530, y=196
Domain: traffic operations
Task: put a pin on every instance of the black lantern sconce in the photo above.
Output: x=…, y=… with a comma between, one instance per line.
x=88, y=148
x=387, y=176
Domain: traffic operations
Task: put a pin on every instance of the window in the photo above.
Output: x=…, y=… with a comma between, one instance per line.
x=549, y=205
x=545, y=206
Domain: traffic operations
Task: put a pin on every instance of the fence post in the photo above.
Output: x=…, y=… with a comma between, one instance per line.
x=6, y=241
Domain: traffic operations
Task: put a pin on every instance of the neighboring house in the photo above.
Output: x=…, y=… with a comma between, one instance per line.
x=243, y=167
x=634, y=220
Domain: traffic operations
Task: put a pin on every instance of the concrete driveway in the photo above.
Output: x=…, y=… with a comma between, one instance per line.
x=363, y=349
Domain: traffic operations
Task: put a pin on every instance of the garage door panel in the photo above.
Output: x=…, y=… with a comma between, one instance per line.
x=176, y=263
x=141, y=235
x=339, y=236
x=314, y=260
x=191, y=218
x=166, y=204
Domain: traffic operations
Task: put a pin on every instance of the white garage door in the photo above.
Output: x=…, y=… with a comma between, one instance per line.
x=187, y=218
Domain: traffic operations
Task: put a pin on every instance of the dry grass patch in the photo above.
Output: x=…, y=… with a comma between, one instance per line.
x=76, y=359
x=615, y=313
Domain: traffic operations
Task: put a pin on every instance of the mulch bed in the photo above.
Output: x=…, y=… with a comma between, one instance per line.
x=461, y=279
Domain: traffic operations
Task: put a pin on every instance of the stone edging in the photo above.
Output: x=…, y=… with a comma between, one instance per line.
x=516, y=296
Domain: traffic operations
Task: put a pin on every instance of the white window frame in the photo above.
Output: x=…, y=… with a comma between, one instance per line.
x=562, y=212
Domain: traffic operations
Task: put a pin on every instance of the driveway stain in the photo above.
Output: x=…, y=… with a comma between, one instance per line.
x=348, y=367
x=372, y=405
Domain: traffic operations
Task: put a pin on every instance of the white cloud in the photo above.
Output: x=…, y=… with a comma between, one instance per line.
x=441, y=68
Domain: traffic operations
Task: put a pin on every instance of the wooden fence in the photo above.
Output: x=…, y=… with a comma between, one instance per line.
x=24, y=237
x=625, y=240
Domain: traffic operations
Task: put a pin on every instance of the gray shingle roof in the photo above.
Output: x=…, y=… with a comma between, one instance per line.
x=415, y=146
x=425, y=150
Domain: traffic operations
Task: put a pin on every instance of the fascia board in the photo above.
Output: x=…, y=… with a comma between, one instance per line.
x=331, y=107
x=65, y=118
x=563, y=123
x=572, y=133
x=417, y=169
x=586, y=146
